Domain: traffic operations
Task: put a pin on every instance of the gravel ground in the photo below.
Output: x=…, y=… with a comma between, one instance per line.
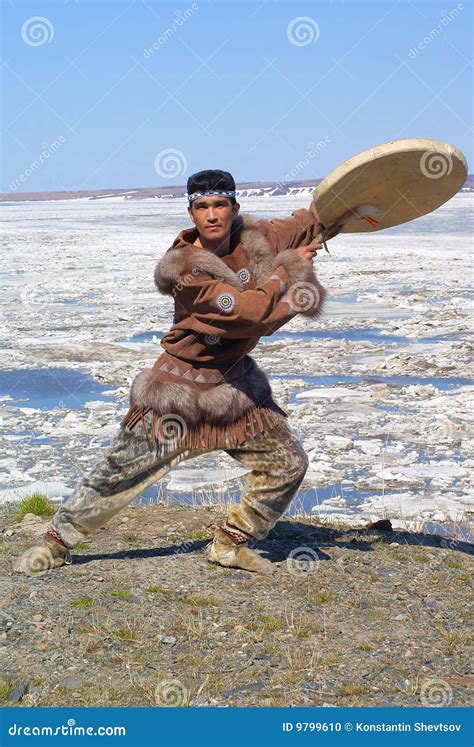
x=351, y=617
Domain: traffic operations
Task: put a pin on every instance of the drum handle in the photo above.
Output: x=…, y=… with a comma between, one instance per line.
x=363, y=212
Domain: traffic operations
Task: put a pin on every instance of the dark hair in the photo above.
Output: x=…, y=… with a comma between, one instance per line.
x=204, y=181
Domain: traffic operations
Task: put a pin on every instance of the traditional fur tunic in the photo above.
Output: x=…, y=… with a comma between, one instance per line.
x=205, y=388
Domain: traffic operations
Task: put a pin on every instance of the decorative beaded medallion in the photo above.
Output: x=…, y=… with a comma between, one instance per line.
x=226, y=302
x=244, y=275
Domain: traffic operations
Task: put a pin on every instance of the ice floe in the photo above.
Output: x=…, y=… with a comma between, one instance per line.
x=378, y=388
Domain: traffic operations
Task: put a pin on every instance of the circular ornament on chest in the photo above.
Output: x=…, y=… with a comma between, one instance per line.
x=225, y=302
x=244, y=275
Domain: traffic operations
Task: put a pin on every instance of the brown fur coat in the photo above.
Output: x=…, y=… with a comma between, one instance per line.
x=205, y=380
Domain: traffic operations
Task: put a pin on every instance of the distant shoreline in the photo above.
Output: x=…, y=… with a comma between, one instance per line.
x=244, y=189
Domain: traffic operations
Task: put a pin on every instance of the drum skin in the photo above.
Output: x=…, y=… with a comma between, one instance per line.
x=390, y=184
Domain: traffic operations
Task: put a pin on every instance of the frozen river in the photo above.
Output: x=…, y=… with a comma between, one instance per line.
x=378, y=389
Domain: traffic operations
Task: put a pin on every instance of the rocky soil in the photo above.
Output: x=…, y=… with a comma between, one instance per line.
x=350, y=617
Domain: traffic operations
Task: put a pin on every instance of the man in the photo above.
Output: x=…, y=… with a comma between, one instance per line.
x=233, y=280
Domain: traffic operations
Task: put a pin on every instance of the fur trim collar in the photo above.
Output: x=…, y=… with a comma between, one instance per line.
x=183, y=258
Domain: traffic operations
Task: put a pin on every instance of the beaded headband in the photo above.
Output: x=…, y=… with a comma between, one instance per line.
x=225, y=192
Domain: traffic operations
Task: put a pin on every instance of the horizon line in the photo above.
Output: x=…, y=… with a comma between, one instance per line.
x=4, y=196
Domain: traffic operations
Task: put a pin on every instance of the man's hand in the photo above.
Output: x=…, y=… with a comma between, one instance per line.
x=308, y=252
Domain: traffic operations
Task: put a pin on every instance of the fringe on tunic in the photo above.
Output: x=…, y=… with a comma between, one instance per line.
x=173, y=433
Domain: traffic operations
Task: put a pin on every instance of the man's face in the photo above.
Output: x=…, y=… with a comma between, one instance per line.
x=213, y=216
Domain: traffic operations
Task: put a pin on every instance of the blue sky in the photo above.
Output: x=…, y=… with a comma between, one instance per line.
x=251, y=87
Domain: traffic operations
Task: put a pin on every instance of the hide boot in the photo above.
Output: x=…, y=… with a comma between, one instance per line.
x=229, y=549
x=53, y=553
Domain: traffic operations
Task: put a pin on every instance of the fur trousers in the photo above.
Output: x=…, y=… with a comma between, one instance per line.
x=275, y=459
